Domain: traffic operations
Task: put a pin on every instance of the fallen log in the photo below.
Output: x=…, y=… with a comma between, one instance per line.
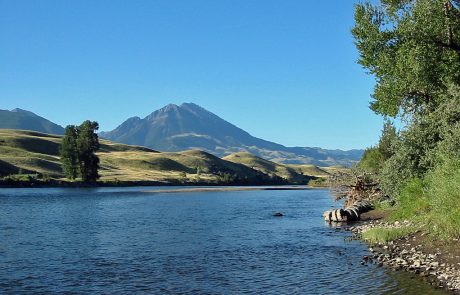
x=350, y=213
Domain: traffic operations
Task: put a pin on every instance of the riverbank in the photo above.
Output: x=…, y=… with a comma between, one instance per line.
x=231, y=189
x=211, y=186
x=434, y=261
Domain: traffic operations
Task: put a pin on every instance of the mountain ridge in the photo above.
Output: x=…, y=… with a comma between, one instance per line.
x=190, y=126
x=26, y=120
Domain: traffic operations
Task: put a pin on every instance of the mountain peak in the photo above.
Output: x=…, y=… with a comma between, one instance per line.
x=190, y=105
x=18, y=110
x=25, y=120
x=190, y=126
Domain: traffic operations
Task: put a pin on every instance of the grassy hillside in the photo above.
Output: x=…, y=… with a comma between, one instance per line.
x=292, y=173
x=24, y=152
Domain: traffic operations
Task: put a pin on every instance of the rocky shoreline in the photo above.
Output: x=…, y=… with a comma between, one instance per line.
x=438, y=265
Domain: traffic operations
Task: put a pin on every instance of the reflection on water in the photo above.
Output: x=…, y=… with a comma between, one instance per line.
x=116, y=240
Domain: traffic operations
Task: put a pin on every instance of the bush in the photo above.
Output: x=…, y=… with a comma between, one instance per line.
x=372, y=160
x=318, y=182
x=444, y=197
x=412, y=201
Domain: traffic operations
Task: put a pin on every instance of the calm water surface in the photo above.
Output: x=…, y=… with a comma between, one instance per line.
x=121, y=240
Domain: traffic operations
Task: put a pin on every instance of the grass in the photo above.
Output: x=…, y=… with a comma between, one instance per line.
x=384, y=235
x=443, y=193
x=312, y=170
x=38, y=153
x=433, y=202
x=412, y=202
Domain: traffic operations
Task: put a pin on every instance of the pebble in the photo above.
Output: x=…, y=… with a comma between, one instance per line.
x=403, y=256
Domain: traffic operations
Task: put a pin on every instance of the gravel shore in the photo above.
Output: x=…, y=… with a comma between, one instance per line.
x=437, y=263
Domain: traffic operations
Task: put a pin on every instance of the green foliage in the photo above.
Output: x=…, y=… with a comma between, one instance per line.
x=69, y=152
x=384, y=235
x=412, y=155
x=226, y=178
x=444, y=197
x=422, y=143
x=413, y=50
x=412, y=201
x=375, y=157
x=87, y=145
x=372, y=160
x=387, y=140
x=318, y=182
x=78, y=149
x=20, y=178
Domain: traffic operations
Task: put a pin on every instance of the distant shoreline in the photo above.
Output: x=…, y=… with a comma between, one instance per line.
x=226, y=189
x=199, y=186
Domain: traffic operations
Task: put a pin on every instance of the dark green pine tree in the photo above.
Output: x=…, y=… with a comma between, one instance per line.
x=87, y=145
x=69, y=153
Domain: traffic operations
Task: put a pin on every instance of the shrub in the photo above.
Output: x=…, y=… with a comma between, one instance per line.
x=444, y=197
x=412, y=201
x=372, y=160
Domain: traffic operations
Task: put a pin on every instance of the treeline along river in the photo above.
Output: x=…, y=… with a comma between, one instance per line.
x=126, y=240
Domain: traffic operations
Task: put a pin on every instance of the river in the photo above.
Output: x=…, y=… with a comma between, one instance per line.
x=136, y=240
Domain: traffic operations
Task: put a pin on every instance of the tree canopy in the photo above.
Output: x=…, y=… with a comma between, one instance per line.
x=412, y=47
x=78, y=149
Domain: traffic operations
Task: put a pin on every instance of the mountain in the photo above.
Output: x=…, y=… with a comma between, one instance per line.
x=25, y=120
x=189, y=126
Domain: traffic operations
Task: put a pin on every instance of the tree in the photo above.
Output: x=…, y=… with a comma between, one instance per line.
x=413, y=50
x=375, y=157
x=87, y=145
x=69, y=153
x=78, y=149
x=387, y=140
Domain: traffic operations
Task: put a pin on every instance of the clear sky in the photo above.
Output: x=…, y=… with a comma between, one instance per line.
x=284, y=71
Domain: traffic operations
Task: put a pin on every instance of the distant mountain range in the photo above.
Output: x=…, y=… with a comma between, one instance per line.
x=176, y=128
x=25, y=120
x=189, y=126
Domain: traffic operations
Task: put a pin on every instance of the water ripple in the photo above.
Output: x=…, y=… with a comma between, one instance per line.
x=118, y=241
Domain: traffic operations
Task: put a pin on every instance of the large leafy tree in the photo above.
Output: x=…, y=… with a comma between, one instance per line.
x=69, y=152
x=78, y=151
x=87, y=145
x=412, y=47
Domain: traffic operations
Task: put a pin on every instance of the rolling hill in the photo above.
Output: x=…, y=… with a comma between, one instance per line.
x=268, y=167
x=25, y=120
x=35, y=152
x=189, y=126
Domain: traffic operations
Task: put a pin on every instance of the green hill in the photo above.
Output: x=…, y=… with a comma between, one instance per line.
x=312, y=170
x=292, y=173
x=34, y=152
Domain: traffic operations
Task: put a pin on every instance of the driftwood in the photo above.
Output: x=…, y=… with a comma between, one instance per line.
x=350, y=213
x=354, y=186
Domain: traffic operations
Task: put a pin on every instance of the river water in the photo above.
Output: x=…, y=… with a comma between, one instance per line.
x=125, y=240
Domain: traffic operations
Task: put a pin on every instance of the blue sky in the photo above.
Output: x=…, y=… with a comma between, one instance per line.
x=282, y=70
